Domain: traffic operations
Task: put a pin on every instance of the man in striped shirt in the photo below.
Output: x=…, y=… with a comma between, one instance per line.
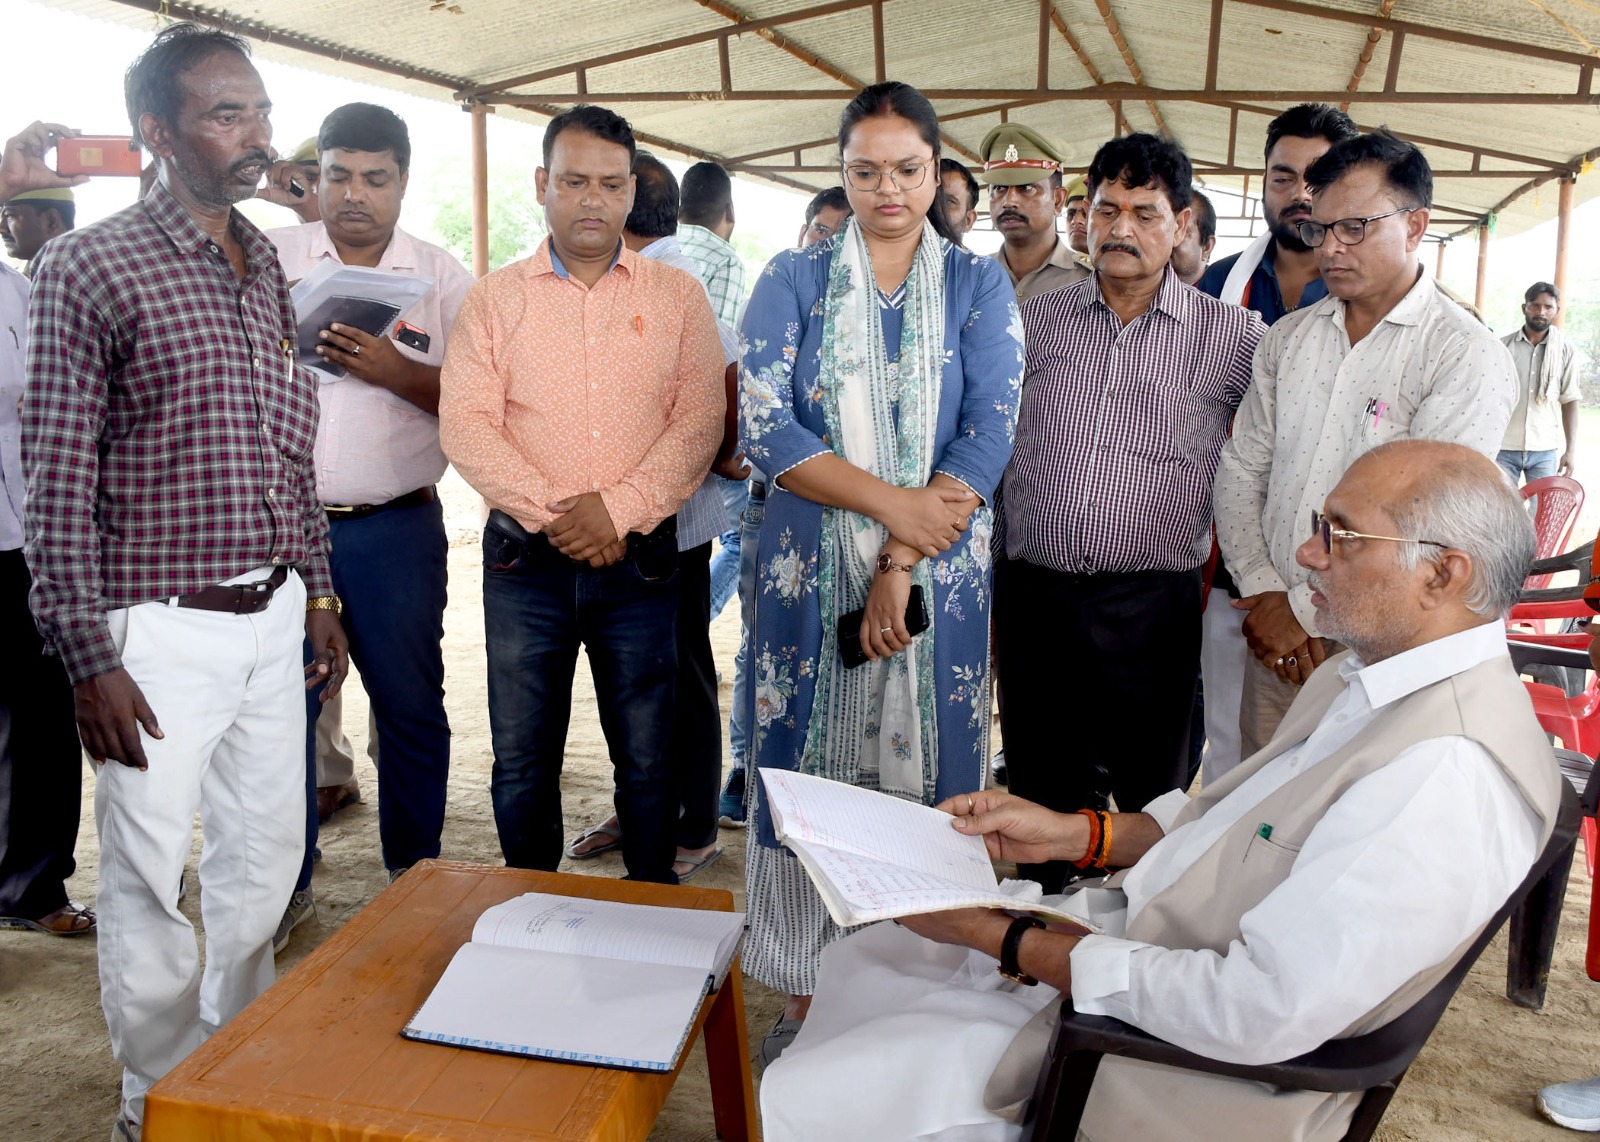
x=1132, y=378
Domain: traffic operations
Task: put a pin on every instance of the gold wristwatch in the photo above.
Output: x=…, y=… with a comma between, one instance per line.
x=324, y=603
x=886, y=564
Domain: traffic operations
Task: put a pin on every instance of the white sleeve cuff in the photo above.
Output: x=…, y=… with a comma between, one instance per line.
x=1165, y=809
x=1100, y=968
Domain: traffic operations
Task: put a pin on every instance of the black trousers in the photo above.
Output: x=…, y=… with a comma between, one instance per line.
x=41, y=763
x=697, y=727
x=1099, y=676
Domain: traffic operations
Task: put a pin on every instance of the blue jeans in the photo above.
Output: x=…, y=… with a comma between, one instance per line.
x=538, y=608
x=1537, y=465
x=725, y=565
x=389, y=571
x=755, y=509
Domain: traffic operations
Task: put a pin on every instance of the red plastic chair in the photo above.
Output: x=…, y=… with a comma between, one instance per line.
x=1573, y=719
x=1557, y=501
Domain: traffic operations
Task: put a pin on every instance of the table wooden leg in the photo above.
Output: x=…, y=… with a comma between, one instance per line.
x=733, y=1098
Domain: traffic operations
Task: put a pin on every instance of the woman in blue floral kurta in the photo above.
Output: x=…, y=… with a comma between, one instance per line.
x=836, y=366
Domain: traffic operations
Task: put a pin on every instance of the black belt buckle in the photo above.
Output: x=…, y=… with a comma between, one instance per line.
x=253, y=596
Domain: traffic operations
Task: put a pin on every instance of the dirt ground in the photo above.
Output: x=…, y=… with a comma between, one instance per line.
x=1475, y=1080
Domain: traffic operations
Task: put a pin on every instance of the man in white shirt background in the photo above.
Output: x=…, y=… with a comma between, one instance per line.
x=1385, y=356
x=1338, y=908
x=1542, y=438
x=41, y=763
x=377, y=460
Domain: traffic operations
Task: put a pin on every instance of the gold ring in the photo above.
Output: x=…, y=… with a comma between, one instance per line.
x=886, y=630
x=970, y=805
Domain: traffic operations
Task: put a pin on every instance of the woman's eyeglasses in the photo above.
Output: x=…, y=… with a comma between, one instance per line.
x=904, y=176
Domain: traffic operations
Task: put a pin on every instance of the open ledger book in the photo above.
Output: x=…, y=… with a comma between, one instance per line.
x=586, y=981
x=874, y=857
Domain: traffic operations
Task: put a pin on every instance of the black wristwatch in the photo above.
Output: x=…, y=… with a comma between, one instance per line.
x=1012, y=944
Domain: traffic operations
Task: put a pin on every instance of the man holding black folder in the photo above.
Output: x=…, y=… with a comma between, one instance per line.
x=377, y=460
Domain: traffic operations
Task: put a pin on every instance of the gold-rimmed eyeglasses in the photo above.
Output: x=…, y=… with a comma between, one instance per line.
x=1329, y=533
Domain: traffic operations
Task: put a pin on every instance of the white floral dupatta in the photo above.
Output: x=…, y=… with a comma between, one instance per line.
x=881, y=416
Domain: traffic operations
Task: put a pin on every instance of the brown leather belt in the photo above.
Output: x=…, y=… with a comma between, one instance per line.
x=236, y=598
x=416, y=499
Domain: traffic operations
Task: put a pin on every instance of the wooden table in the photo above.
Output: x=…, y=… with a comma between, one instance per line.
x=319, y=1057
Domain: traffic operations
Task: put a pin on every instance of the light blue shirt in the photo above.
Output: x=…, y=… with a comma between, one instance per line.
x=13, y=358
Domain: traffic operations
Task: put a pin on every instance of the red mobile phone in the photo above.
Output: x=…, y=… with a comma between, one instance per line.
x=99, y=154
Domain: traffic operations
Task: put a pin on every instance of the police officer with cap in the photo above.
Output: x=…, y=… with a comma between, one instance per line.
x=30, y=219
x=1022, y=170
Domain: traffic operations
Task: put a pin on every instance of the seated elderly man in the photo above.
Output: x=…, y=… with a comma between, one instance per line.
x=1314, y=892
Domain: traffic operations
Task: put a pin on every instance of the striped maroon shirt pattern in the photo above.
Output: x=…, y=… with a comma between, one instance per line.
x=166, y=430
x=1120, y=428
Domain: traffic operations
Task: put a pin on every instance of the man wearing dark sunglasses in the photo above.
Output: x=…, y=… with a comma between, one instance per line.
x=1385, y=356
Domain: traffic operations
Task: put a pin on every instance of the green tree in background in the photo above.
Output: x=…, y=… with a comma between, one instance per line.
x=516, y=220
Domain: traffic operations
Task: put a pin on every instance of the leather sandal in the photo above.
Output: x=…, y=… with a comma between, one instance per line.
x=68, y=920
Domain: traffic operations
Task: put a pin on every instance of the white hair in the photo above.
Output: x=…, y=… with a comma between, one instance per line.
x=1471, y=507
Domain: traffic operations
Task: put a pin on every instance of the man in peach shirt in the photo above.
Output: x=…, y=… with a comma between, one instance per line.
x=582, y=396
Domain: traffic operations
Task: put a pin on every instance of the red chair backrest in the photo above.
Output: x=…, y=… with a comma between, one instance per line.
x=1556, y=501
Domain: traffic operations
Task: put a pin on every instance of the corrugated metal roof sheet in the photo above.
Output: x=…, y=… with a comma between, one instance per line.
x=987, y=57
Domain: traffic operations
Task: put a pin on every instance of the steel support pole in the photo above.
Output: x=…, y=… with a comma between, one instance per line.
x=480, y=189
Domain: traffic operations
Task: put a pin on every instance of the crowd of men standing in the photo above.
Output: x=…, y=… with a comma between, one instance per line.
x=199, y=533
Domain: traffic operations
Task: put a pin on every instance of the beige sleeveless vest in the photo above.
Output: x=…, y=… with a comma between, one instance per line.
x=1140, y=1102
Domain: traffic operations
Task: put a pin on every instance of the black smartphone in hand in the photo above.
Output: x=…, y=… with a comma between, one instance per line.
x=850, y=652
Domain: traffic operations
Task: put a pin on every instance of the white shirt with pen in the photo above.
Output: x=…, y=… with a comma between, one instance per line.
x=1316, y=403
x=13, y=358
x=1378, y=870
x=371, y=444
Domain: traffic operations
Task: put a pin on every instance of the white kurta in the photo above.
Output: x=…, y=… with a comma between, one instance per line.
x=905, y=1052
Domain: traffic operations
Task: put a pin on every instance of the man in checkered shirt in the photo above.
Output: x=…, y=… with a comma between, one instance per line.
x=179, y=552
x=1132, y=378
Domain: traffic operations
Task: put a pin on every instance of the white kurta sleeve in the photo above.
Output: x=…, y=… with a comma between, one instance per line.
x=1383, y=888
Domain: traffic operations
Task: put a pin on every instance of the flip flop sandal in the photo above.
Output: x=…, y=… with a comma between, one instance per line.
x=603, y=829
x=68, y=920
x=778, y=1039
x=696, y=864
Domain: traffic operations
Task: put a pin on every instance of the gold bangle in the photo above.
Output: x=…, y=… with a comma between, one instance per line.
x=324, y=603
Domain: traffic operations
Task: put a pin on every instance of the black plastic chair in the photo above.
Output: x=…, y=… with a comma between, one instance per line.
x=1374, y=1062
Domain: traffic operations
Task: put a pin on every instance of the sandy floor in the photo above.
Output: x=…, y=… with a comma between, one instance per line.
x=1475, y=1080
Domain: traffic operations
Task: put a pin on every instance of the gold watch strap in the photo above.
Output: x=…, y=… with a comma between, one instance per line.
x=324, y=603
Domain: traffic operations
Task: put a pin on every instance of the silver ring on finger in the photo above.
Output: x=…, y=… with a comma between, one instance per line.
x=1291, y=660
x=356, y=352
x=886, y=630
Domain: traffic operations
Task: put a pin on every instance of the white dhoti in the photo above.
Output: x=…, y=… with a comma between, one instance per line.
x=903, y=1035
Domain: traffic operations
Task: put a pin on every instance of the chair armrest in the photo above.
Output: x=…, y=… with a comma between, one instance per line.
x=1338, y=1065
x=1547, y=605
x=1525, y=653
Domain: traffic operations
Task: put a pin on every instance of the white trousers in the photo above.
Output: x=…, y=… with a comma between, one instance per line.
x=228, y=693
x=1224, y=653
